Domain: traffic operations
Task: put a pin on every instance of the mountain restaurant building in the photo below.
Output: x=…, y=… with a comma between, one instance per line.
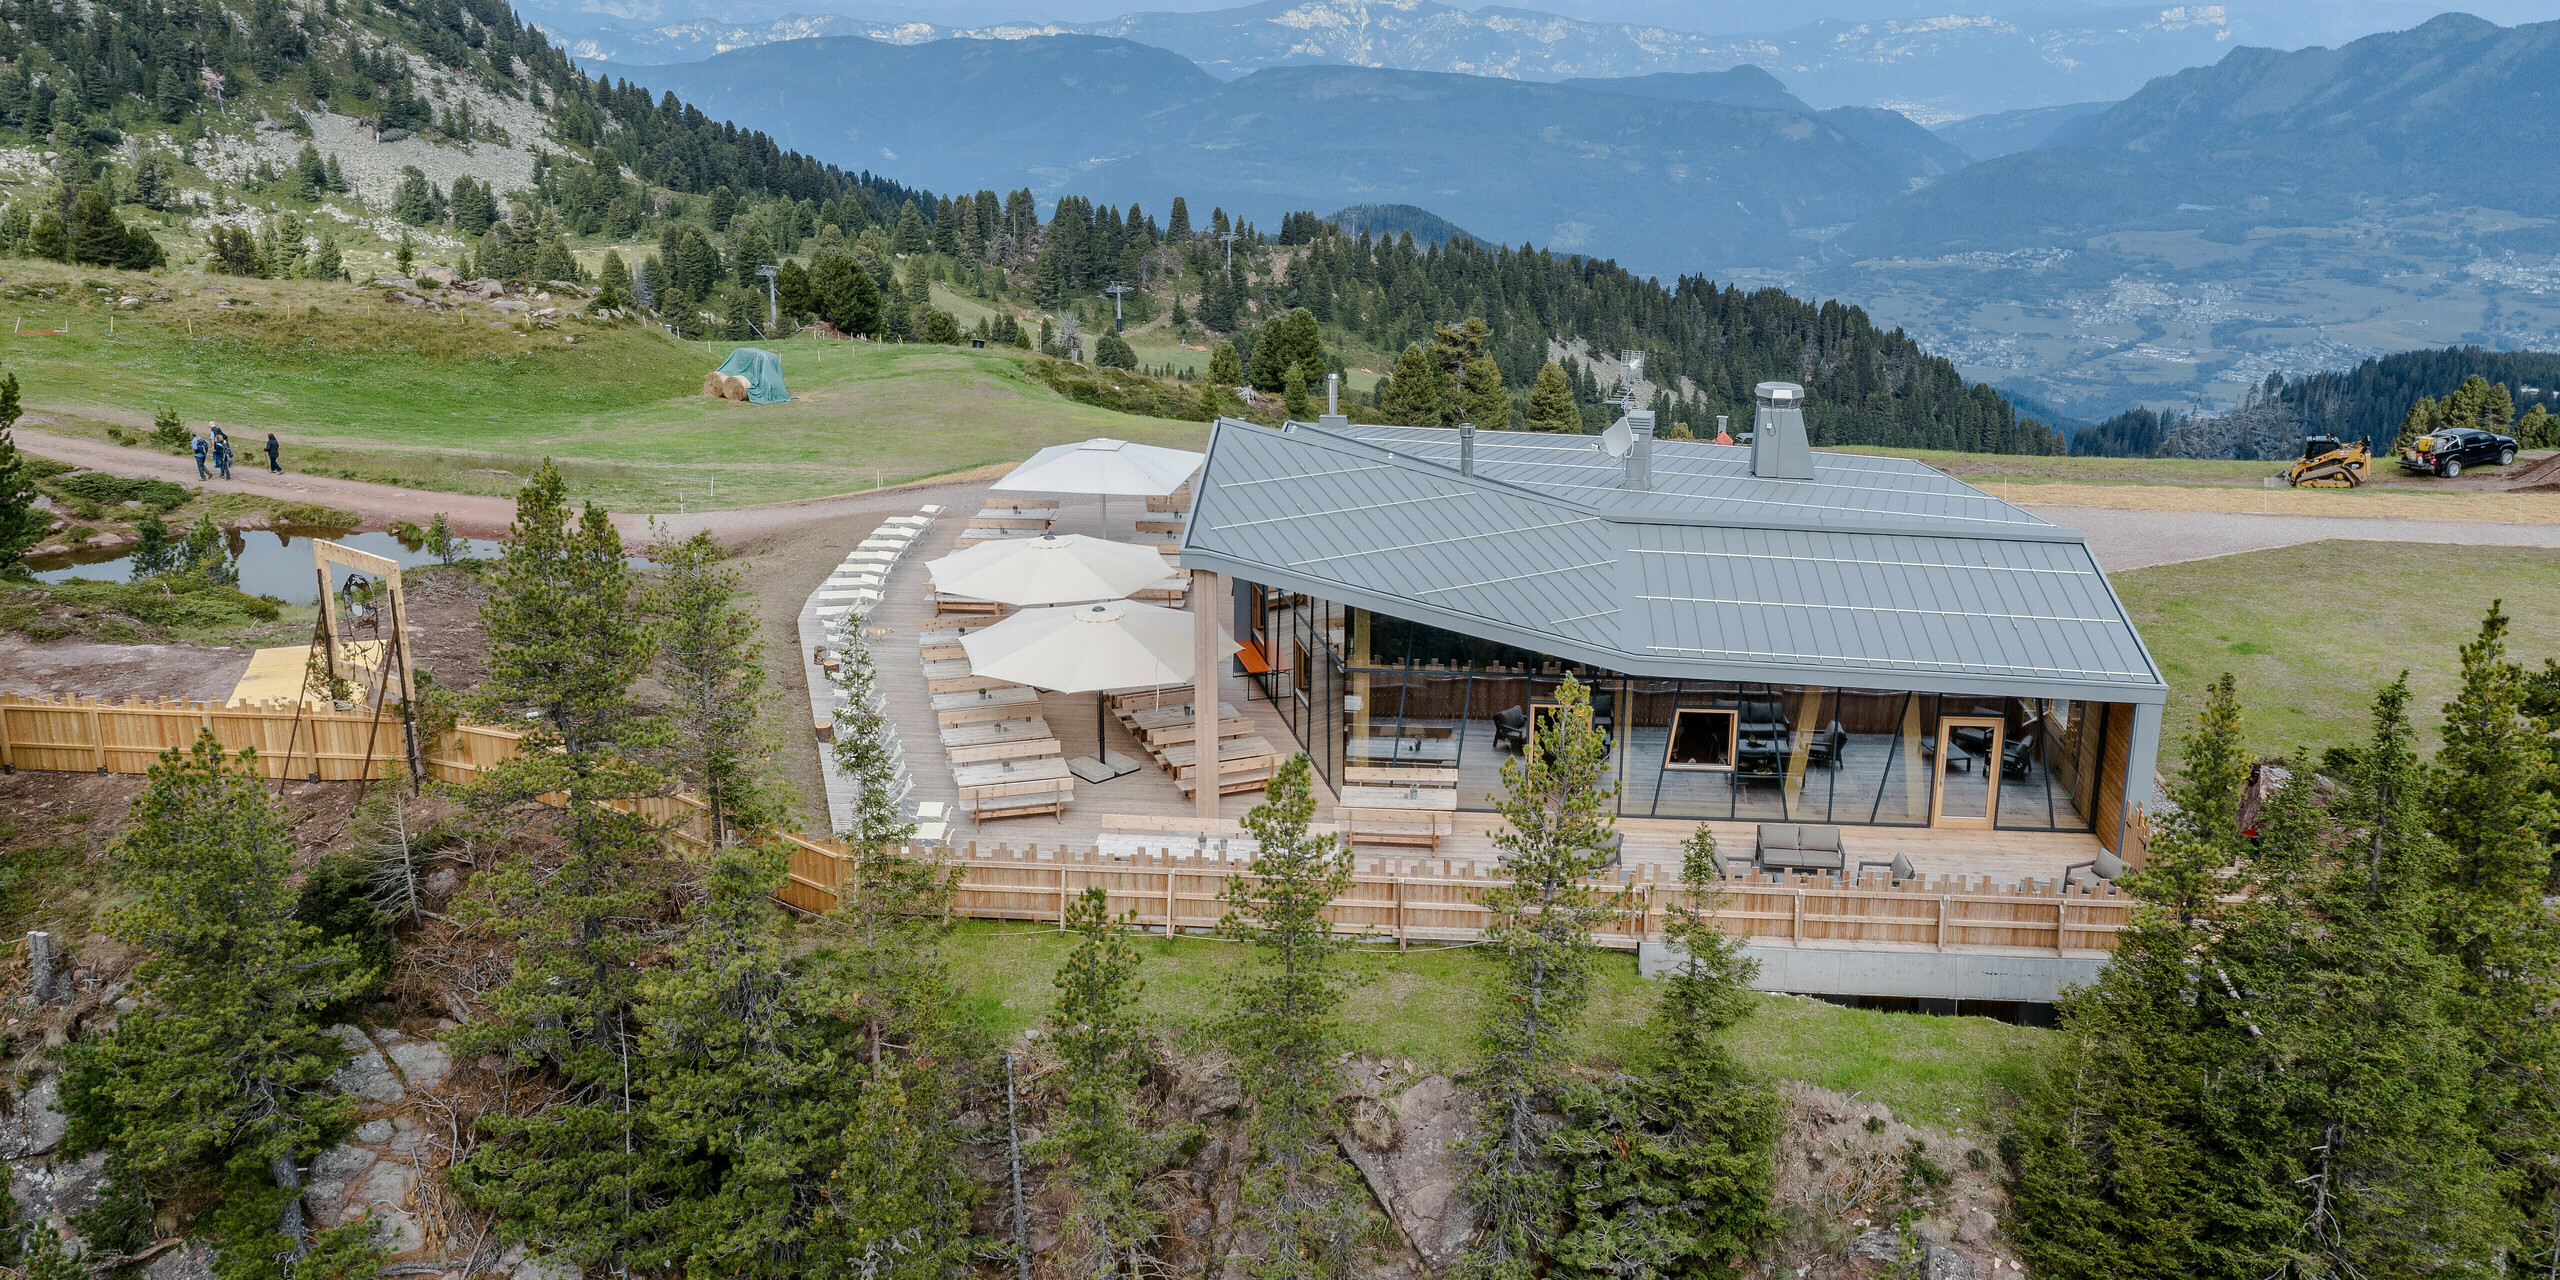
x=1769, y=634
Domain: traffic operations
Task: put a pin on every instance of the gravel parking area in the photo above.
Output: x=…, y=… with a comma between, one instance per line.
x=2136, y=539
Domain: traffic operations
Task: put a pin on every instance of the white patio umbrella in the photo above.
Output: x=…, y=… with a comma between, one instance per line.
x=1050, y=569
x=1087, y=648
x=1105, y=467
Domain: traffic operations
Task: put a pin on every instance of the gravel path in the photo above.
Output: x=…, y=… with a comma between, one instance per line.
x=2124, y=540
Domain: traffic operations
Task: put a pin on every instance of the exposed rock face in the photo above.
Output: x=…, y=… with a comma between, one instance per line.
x=1417, y=1178
x=367, y=1075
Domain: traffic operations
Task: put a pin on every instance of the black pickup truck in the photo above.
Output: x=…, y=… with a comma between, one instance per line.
x=2448, y=451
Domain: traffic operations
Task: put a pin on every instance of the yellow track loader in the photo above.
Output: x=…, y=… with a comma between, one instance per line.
x=2329, y=464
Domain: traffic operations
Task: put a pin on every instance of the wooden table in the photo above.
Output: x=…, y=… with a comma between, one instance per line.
x=955, y=675
x=1242, y=762
x=1009, y=518
x=1153, y=718
x=984, y=732
x=1380, y=747
x=1023, y=787
x=979, y=706
x=1386, y=814
x=1017, y=748
x=1188, y=730
x=1010, y=503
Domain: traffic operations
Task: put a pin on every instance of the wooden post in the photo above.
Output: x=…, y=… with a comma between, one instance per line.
x=1205, y=661
x=1795, y=925
x=1942, y=923
x=1062, y=884
x=1171, y=926
x=97, y=741
x=1399, y=884
x=2061, y=921
x=40, y=965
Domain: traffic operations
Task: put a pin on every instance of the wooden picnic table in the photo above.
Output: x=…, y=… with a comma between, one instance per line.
x=1384, y=813
x=1029, y=729
x=1161, y=524
x=955, y=675
x=949, y=604
x=1381, y=747
x=1235, y=756
x=1011, y=502
x=1153, y=718
x=1188, y=730
x=1017, y=749
x=978, y=706
x=975, y=537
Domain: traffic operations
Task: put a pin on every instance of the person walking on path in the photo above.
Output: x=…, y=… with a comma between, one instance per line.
x=201, y=473
x=272, y=447
x=219, y=437
x=222, y=458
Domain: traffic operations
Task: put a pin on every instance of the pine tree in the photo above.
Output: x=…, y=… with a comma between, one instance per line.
x=328, y=262
x=1292, y=341
x=2490, y=792
x=2198, y=836
x=1285, y=1028
x=1557, y=831
x=1294, y=399
x=711, y=660
x=22, y=525
x=1482, y=399
x=1101, y=1039
x=1412, y=396
x=1551, y=406
x=1177, y=224
x=219, y=1079
x=568, y=642
x=750, y=1088
x=1226, y=369
x=1669, y=1165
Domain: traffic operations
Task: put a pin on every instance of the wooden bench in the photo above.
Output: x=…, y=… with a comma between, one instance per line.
x=945, y=605
x=1161, y=524
x=1188, y=730
x=1011, y=518
x=1026, y=729
x=1142, y=720
x=1392, y=805
x=979, y=706
x=1178, y=500
x=974, y=537
x=1011, y=502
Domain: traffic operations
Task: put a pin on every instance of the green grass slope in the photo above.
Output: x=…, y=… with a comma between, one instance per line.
x=2312, y=631
x=365, y=387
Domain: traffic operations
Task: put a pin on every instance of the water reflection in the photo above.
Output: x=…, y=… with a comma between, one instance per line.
x=273, y=562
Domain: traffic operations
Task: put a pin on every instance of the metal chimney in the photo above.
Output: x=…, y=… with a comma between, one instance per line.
x=1466, y=448
x=1779, y=448
x=1640, y=451
x=1333, y=419
x=1721, y=428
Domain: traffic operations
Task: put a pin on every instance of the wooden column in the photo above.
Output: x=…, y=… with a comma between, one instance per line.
x=1207, y=588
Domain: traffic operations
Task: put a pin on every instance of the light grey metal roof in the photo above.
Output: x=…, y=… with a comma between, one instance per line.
x=1877, y=573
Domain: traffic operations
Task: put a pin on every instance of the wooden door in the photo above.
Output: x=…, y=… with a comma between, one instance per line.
x=1965, y=792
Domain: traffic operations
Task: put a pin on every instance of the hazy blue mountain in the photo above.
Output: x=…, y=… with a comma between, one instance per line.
x=1661, y=184
x=2006, y=132
x=1933, y=67
x=949, y=114
x=1385, y=220
x=1744, y=86
x=2447, y=112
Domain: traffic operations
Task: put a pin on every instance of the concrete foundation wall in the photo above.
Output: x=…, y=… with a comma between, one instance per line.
x=1926, y=975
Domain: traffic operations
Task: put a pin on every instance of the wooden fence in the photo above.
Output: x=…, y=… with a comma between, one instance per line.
x=1406, y=899
x=1442, y=899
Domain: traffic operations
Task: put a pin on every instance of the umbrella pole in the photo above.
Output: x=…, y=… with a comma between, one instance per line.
x=1106, y=517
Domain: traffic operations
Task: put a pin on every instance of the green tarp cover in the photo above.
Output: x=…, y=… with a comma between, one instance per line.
x=763, y=372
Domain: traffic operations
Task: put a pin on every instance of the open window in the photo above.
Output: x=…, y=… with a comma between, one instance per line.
x=1701, y=739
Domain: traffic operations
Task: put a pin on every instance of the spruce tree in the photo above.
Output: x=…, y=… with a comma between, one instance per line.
x=1294, y=399
x=1412, y=396
x=1551, y=406
x=2490, y=791
x=1285, y=1028
x=1226, y=369
x=210, y=1094
x=1101, y=1040
x=1669, y=1164
x=711, y=660
x=567, y=643
x=1481, y=397
x=2198, y=836
x=1557, y=831
x=22, y=525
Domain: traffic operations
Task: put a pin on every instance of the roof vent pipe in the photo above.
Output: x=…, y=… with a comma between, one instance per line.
x=1640, y=450
x=1333, y=419
x=1466, y=448
x=1779, y=447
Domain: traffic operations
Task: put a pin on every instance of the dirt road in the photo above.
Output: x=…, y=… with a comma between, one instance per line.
x=2123, y=539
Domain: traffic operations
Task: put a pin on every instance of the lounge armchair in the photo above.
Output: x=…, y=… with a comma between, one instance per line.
x=1802, y=847
x=2018, y=758
x=1511, y=729
x=1828, y=746
x=2106, y=868
x=1899, y=868
x=1604, y=711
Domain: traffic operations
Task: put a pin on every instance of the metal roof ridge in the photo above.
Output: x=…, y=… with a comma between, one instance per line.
x=1627, y=513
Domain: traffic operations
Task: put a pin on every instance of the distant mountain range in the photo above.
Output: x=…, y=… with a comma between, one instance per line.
x=1386, y=221
x=1933, y=68
x=2007, y=132
x=1663, y=172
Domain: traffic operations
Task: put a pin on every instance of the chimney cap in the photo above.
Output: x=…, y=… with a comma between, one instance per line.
x=1780, y=394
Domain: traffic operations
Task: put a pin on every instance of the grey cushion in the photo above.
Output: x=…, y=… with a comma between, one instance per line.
x=1825, y=838
x=1779, y=835
x=1815, y=859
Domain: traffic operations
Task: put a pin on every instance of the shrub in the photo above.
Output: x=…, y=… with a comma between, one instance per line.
x=107, y=491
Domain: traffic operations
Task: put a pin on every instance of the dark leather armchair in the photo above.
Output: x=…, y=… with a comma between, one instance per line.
x=1604, y=711
x=2018, y=756
x=1511, y=729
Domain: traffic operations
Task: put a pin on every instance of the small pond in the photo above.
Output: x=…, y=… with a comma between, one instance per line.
x=273, y=562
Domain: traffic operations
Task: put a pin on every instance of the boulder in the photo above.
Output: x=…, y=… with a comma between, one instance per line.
x=48, y=1192
x=39, y=1123
x=366, y=1074
x=1416, y=1179
x=510, y=307
x=439, y=273
x=335, y=1174
x=423, y=1063
x=190, y=1261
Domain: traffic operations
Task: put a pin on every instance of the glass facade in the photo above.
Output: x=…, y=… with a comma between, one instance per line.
x=1363, y=688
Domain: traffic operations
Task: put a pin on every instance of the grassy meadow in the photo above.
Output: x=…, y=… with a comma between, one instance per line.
x=360, y=386
x=2311, y=631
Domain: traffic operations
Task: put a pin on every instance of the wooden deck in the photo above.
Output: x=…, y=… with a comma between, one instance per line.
x=1147, y=809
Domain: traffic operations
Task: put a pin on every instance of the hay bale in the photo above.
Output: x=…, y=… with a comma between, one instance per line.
x=713, y=385
x=738, y=387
